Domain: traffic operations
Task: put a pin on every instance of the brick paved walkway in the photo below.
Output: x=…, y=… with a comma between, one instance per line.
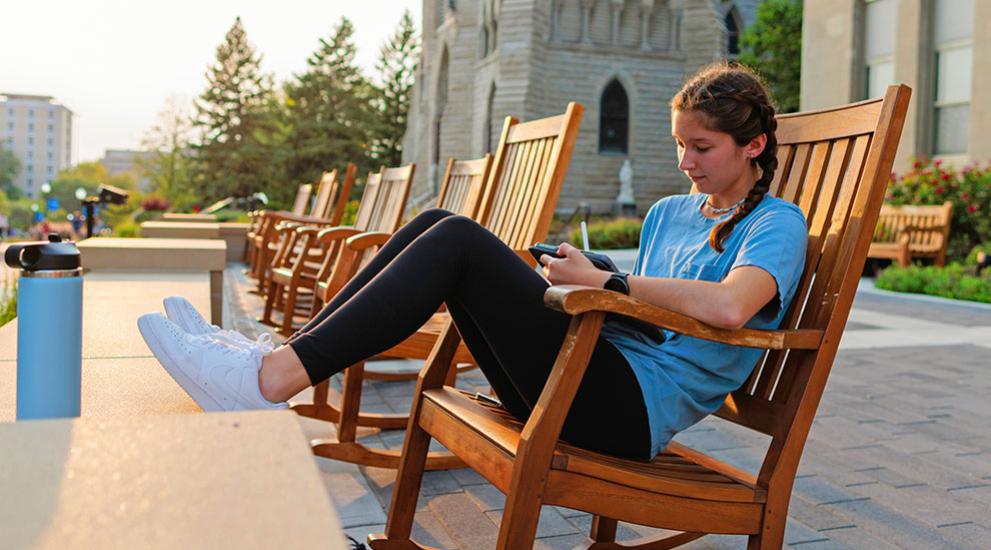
x=899, y=455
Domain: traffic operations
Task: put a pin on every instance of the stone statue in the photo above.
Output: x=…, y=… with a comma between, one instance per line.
x=626, y=203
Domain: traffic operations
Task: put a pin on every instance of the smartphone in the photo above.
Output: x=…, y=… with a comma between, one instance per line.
x=600, y=261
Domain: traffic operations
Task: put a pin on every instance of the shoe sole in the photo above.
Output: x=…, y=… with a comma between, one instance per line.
x=200, y=396
x=177, y=314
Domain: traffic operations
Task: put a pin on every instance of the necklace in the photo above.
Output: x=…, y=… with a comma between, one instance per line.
x=721, y=211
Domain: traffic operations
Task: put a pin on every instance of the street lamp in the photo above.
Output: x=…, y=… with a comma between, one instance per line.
x=46, y=188
x=80, y=193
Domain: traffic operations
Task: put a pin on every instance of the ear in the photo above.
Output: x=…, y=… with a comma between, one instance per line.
x=756, y=146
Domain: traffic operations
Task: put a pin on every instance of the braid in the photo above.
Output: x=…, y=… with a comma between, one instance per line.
x=736, y=102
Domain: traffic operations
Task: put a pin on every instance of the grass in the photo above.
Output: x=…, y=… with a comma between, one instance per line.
x=8, y=297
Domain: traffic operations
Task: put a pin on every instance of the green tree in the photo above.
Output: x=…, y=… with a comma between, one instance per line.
x=397, y=69
x=229, y=159
x=773, y=46
x=169, y=165
x=10, y=166
x=327, y=116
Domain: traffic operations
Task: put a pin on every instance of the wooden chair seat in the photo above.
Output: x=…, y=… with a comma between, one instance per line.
x=680, y=471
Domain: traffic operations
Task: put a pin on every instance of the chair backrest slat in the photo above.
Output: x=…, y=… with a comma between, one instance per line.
x=527, y=176
x=834, y=165
x=302, y=199
x=369, y=196
x=464, y=181
x=325, y=191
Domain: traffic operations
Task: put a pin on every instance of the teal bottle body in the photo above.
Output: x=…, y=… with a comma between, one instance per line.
x=49, y=343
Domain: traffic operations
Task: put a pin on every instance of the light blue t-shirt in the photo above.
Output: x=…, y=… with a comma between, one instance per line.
x=685, y=379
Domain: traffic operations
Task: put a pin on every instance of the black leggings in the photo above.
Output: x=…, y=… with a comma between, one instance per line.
x=496, y=301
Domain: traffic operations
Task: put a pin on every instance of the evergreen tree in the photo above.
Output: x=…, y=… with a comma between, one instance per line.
x=230, y=115
x=397, y=67
x=773, y=46
x=327, y=118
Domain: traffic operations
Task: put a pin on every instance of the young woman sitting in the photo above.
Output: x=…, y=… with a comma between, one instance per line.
x=729, y=256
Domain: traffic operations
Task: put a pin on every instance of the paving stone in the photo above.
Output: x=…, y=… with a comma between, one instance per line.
x=353, y=499
x=467, y=525
x=971, y=534
x=797, y=533
x=467, y=476
x=896, y=528
x=820, y=491
x=439, y=483
x=487, y=497
x=565, y=542
x=550, y=524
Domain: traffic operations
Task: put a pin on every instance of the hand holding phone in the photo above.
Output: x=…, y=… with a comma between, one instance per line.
x=600, y=261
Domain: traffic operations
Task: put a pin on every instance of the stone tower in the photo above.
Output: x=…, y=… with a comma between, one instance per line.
x=622, y=59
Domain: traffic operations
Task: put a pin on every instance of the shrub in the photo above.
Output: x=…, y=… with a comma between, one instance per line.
x=8, y=299
x=610, y=234
x=232, y=216
x=153, y=203
x=953, y=281
x=350, y=213
x=127, y=230
x=969, y=189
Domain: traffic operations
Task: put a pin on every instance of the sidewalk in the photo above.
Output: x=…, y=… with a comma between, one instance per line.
x=899, y=455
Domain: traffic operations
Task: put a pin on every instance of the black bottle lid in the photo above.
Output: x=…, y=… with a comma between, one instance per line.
x=51, y=255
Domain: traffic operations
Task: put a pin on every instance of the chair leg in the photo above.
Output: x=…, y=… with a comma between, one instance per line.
x=399, y=526
x=273, y=293
x=289, y=309
x=603, y=529
x=519, y=520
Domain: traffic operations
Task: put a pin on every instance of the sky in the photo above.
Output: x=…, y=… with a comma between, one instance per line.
x=115, y=63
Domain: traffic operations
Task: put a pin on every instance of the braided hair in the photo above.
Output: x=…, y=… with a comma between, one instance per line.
x=735, y=101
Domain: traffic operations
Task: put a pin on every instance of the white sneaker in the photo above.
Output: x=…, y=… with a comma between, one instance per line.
x=181, y=312
x=217, y=376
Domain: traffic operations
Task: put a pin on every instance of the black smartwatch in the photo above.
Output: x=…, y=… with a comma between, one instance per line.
x=618, y=282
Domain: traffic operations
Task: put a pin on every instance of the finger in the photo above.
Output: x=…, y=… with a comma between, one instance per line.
x=545, y=259
x=564, y=248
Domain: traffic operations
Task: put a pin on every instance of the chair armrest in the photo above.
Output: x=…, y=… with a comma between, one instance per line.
x=368, y=239
x=574, y=299
x=306, y=220
x=331, y=234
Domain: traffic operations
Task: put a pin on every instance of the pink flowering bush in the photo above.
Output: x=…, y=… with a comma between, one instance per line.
x=154, y=203
x=969, y=189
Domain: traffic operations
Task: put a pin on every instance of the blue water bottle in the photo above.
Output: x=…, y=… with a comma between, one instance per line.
x=49, y=328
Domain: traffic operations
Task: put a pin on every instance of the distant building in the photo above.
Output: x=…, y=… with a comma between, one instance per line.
x=853, y=49
x=40, y=133
x=622, y=59
x=119, y=161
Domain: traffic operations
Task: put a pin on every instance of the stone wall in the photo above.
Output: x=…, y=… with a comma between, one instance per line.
x=550, y=52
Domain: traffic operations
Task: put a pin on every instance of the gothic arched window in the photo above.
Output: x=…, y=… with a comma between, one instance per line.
x=732, y=22
x=614, y=119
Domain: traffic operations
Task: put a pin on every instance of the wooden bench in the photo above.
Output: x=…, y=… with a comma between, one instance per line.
x=912, y=231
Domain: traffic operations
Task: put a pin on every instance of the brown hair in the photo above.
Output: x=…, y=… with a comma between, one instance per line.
x=735, y=101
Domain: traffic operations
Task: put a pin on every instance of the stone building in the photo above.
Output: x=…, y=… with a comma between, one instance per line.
x=622, y=59
x=853, y=49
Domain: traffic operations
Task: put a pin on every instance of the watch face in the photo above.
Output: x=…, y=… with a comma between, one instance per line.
x=617, y=283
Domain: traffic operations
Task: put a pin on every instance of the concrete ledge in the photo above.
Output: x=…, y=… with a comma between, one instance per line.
x=175, y=217
x=233, y=233
x=224, y=481
x=161, y=255
x=180, y=230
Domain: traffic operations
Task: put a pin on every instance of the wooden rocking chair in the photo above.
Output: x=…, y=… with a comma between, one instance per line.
x=519, y=201
x=834, y=164
x=310, y=250
x=276, y=226
x=299, y=204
